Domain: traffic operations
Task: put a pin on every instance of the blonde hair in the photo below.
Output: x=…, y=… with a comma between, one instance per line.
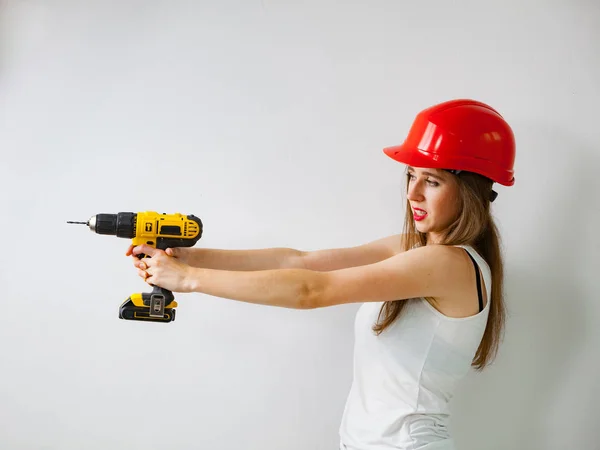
x=473, y=226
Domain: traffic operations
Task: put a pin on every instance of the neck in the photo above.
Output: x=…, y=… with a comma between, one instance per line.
x=433, y=238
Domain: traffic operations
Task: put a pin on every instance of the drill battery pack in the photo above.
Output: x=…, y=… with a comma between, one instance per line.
x=156, y=306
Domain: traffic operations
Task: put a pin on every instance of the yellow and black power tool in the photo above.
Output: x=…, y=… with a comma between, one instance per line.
x=160, y=231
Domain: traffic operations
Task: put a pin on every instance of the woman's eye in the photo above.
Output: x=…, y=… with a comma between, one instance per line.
x=432, y=183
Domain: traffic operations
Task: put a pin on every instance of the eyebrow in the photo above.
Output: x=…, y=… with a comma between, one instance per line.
x=437, y=175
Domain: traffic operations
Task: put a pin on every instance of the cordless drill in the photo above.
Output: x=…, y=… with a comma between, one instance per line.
x=160, y=231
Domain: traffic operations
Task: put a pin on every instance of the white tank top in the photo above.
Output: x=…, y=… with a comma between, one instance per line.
x=405, y=377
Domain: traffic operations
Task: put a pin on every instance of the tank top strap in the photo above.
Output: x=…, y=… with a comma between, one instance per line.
x=482, y=266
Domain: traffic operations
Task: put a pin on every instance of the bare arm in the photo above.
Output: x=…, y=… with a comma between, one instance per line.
x=241, y=260
x=361, y=255
x=427, y=271
x=288, y=258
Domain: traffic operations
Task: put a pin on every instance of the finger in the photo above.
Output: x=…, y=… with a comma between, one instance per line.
x=136, y=260
x=171, y=252
x=129, y=251
x=145, y=249
x=142, y=265
x=143, y=274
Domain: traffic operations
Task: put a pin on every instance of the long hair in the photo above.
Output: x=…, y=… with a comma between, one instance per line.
x=473, y=226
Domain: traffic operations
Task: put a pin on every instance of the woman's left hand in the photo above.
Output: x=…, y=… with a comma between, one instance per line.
x=160, y=269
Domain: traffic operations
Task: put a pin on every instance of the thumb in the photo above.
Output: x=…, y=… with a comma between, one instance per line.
x=171, y=252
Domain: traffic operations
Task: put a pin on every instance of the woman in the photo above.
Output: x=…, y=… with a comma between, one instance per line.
x=432, y=296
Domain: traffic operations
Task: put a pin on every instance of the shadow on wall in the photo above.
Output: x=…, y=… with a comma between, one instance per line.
x=510, y=405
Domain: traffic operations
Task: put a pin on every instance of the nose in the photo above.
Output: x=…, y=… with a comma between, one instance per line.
x=415, y=191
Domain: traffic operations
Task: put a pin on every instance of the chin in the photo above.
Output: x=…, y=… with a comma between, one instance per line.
x=421, y=228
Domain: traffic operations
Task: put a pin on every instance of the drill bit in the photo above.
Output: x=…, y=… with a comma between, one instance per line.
x=82, y=223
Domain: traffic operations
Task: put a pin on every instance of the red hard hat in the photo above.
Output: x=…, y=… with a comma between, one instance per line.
x=460, y=135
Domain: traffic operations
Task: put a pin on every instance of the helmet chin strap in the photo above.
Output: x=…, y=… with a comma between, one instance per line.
x=493, y=193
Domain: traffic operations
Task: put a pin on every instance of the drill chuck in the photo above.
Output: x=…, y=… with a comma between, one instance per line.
x=120, y=225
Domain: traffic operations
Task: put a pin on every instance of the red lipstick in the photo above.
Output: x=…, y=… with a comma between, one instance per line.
x=419, y=214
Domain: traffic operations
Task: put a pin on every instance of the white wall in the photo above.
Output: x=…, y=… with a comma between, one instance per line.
x=267, y=119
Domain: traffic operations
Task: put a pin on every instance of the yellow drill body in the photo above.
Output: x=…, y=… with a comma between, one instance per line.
x=150, y=227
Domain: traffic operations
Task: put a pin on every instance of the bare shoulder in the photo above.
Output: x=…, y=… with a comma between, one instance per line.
x=461, y=299
x=441, y=254
x=447, y=264
x=437, y=271
x=451, y=262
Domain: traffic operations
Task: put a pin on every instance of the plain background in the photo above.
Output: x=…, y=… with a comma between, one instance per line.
x=267, y=120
